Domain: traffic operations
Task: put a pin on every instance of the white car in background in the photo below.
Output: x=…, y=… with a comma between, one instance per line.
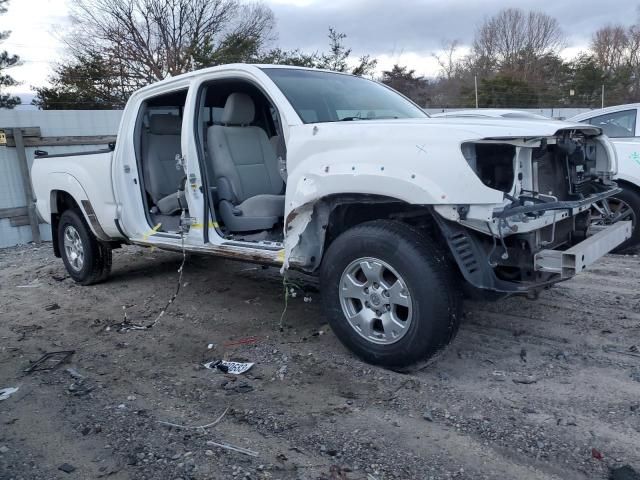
x=492, y=113
x=622, y=125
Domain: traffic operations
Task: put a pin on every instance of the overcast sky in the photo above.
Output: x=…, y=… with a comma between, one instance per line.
x=404, y=31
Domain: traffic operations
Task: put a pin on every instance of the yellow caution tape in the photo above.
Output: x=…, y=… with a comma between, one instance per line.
x=151, y=232
x=199, y=225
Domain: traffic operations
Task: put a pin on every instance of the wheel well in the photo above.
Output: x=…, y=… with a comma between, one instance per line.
x=317, y=225
x=628, y=185
x=60, y=202
x=347, y=215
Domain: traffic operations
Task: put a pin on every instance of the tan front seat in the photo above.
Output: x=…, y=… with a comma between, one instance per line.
x=246, y=169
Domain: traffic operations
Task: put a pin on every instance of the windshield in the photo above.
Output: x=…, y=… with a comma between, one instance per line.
x=332, y=97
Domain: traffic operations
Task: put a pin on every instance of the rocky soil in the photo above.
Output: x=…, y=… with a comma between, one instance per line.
x=546, y=389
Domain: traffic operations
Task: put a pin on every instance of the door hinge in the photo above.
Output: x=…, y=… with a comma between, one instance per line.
x=181, y=162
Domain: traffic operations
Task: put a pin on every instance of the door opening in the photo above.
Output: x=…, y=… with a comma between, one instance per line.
x=244, y=157
x=162, y=178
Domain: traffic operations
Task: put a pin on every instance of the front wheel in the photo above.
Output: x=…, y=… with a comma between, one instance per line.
x=623, y=206
x=389, y=293
x=86, y=259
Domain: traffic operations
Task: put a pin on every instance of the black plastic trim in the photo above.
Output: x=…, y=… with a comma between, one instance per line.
x=474, y=262
x=74, y=154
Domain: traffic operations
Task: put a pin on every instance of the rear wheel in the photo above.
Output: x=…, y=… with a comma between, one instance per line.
x=389, y=293
x=86, y=259
x=623, y=206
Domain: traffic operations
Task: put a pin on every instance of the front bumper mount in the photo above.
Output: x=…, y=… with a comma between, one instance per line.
x=572, y=261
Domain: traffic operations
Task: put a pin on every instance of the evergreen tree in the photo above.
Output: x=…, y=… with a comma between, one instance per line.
x=7, y=61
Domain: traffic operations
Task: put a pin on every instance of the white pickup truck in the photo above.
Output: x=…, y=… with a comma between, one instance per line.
x=622, y=125
x=342, y=177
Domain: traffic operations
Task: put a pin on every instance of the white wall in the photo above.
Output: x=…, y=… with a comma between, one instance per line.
x=52, y=123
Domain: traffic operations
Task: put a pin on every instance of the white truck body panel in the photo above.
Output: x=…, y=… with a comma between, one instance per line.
x=85, y=177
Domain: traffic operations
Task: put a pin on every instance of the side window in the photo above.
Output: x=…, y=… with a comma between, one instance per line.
x=618, y=124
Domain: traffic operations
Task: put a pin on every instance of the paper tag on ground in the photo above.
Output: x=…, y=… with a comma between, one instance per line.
x=234, y=367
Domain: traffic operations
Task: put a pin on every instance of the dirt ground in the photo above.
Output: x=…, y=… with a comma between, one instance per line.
x=546, y=389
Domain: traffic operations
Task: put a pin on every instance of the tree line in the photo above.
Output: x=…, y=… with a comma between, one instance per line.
x=118, y=46
x=516, y=62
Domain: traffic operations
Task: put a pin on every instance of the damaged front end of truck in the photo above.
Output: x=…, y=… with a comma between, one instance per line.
x=543, y=232
x=513, y=209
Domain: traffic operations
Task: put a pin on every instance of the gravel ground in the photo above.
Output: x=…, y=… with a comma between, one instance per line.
x=546, y=389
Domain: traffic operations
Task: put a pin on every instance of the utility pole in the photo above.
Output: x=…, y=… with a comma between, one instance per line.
x=475, y=81
x=602, y=97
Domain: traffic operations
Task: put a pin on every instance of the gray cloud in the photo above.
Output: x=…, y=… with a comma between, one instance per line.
x=391, y=27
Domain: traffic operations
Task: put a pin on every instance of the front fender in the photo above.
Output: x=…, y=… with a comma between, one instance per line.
x=340, y=179
x=415, y=164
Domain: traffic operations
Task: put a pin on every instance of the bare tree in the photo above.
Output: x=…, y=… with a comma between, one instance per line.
x=154, y=39
x=447, y=58
x=513, y=39
x=610, y=46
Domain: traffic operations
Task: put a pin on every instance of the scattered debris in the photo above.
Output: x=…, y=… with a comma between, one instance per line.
x=427, y=416
x=49, y=361
x=81, y=386
x=52, y=307
x=59, y=278
x=125, y=325
x=7, y=392
x=234, y=448
x=567, y=422
x=523, y=355
x=237, y=387
x=75, y=374
x=336, y=472
x=197, y=427
x=625, y=472
x=631, y=352
x=596, y=454
x=236, y=368
x=4, y=449
x=67, y=468
x=23, y=330
x=525, y=380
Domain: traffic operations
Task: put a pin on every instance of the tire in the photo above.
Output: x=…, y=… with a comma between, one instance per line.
x=86, y=259
x=629, y=202
x=427, y=310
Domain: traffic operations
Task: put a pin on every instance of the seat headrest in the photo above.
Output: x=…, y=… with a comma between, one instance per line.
x=165, y=124
x=238, y=110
